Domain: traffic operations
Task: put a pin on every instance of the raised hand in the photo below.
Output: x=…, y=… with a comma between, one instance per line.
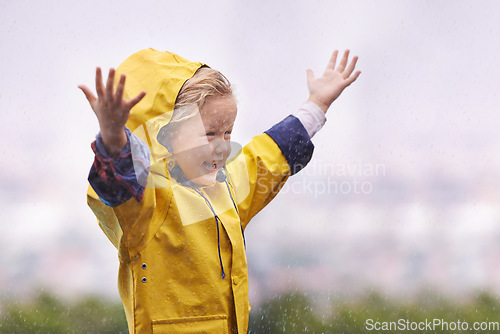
x=111, y=109
x=327, y=88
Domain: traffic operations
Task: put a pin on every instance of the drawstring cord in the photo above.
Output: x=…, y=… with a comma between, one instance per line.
x=217, y=219
x=232, y=199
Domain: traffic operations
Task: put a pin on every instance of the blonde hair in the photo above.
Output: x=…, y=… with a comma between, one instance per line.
x=205, y=83
x=195, y=92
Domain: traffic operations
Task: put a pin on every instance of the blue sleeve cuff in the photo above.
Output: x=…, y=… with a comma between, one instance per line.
x=117, y=180
x=293, y=141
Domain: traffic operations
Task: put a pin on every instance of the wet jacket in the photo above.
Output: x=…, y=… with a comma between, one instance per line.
x=181, y=247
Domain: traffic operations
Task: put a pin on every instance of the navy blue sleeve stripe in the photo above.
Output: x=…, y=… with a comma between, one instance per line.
x=293, y=141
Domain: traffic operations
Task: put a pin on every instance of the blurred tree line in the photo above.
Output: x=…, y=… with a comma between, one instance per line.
x=288, y=313
x=297, y=313
x=48, y=314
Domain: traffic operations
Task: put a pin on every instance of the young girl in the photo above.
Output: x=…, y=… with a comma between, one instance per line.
x=171, y=198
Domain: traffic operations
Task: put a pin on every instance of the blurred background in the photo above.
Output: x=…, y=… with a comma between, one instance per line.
x=399, y=202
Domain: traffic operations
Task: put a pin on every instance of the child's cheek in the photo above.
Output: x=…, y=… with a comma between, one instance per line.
x=201, y=151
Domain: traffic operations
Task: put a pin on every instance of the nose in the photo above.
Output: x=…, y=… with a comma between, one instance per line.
x=221, y=149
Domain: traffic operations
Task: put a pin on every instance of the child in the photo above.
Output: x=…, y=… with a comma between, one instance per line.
x=171, y=199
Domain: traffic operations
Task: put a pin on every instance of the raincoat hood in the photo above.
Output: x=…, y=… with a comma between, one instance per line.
x=161, y=74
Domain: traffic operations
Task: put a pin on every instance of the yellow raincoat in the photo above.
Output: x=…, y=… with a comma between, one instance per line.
x=170, y=272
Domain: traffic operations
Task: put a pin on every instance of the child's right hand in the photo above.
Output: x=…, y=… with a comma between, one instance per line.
x=111, y=109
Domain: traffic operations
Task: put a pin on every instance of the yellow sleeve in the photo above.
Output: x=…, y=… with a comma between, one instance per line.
x=132, y=224
x=257, y=174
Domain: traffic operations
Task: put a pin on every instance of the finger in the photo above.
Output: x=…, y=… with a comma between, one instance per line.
x=351, y=67
x=333, y=60
x=132, y=102
x=109, y=84
x=88, y=94
x=310, y=75
x=119, y=89
x=353, y=78
x=343, y=62
x=98, y=82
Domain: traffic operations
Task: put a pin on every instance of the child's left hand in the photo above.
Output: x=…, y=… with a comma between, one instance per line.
x=327, y=88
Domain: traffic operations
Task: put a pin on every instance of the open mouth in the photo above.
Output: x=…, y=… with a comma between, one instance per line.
x=213, y=164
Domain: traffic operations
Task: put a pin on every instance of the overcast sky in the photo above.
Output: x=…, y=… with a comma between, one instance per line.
x=425, y=110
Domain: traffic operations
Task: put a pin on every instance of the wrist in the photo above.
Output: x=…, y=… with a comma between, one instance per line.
x=324, y=107
x=114, y=142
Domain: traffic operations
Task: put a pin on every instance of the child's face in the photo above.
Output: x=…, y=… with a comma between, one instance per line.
x=201, y=144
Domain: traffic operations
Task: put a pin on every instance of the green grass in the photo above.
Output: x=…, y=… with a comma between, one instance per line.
x=48, y=314
x=288, y=313
x=296, y=313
